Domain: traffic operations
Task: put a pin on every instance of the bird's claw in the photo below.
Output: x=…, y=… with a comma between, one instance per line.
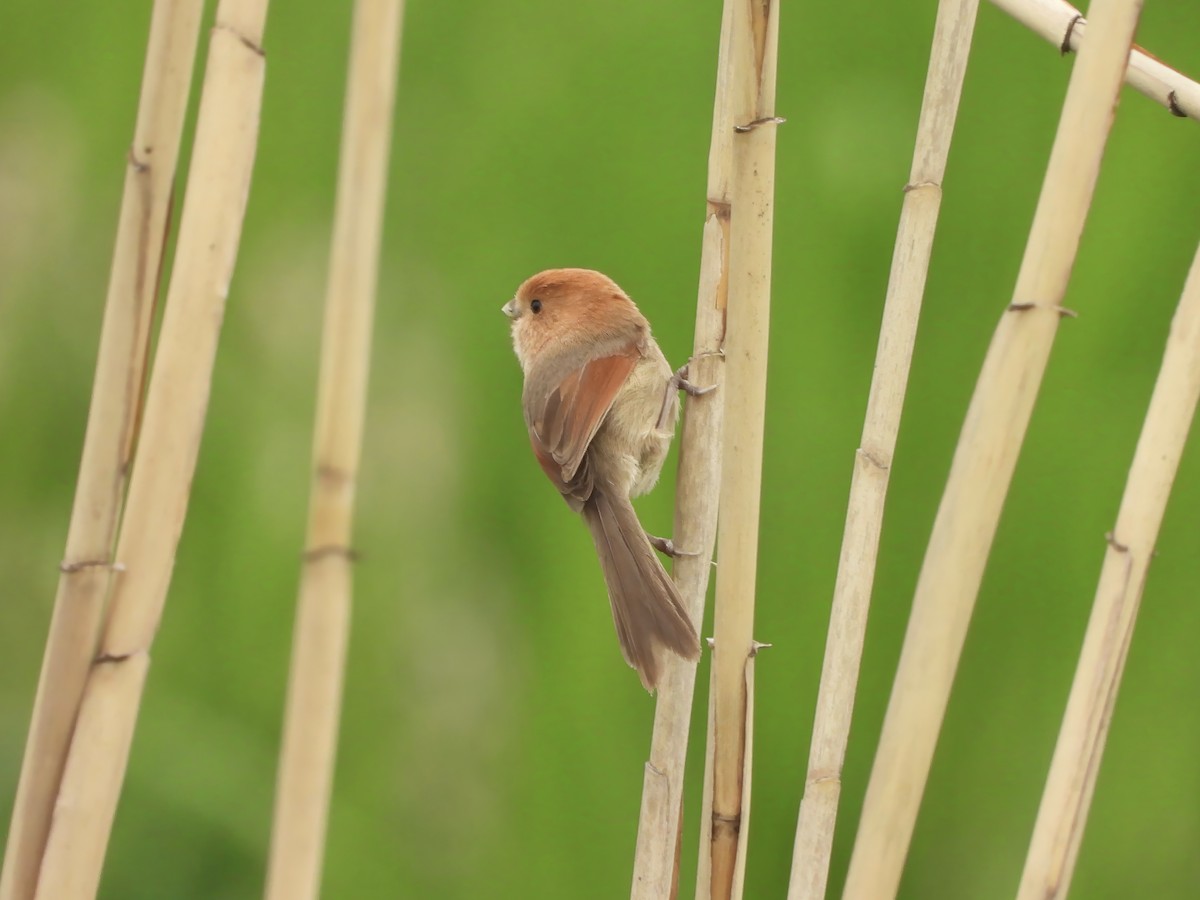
x=679, y=381
x=667, y=547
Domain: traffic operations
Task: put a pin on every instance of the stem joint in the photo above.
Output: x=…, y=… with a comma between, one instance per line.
x=316, y=553
x=1065, y=47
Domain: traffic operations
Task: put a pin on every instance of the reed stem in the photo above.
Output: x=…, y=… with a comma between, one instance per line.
x=753, y=49
x=984, y=460
x=873, y=459
x=176, y=402
x=1072, y=779
x=323, y=610
x=1061, y=24
x=111, y=434
x=660, y=823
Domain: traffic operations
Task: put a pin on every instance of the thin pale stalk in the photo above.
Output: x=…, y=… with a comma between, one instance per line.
x=110, y=436
x=218, y=185
x=754, y=42
x=656, y=858
x=704, y=863
x=873, y=459
x=984, y=460
x=323, y=610
x=1072, y=780
x=1062, y=25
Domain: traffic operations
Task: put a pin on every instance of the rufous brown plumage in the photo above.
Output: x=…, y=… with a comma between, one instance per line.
x=601, y=403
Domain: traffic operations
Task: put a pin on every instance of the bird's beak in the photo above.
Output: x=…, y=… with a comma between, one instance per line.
x=510, y=308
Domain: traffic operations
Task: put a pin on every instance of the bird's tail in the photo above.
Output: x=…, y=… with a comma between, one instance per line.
x=646, y=606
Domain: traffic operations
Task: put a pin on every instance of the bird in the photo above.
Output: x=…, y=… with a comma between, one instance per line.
x=600, y=403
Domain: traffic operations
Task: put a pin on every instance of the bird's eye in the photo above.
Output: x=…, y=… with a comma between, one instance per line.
x=535, y=305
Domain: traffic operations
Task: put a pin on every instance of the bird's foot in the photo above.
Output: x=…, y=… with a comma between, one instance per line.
x=667, y=547
x=679, y=381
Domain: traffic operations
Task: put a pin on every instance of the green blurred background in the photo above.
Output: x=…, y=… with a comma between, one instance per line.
x=492, y=739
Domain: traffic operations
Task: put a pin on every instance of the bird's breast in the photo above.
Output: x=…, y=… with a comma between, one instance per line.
x=629, y=448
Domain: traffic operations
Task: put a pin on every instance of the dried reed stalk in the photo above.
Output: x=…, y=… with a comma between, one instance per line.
x=704, y=863
x=660, y=823
x=1062, y=25
x=754, y=38
x=1072, y=780
x=323, y=610
x=984, y=461
x=176, y=401
x=873, y=459
x=704, y=880
x=111, y=434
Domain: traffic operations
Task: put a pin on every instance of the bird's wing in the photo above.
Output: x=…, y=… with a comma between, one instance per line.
x=562, y=427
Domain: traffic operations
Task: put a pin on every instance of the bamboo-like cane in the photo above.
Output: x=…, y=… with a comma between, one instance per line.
x=753, y=48
x=704, y=881
x=1072, y=780
x=218, y=185
x=1061, y=24
x=984, y=460
x=323, y=609
x=111, y=434
x=873, y=459
x=656, y=858
x=704, y=863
